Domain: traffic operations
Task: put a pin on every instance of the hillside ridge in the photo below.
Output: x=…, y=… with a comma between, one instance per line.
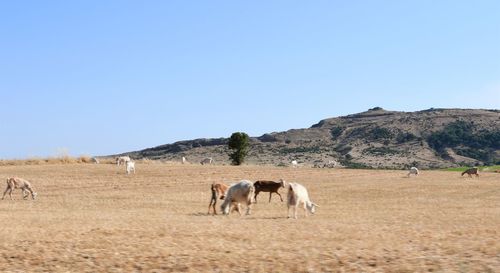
x=377, y=138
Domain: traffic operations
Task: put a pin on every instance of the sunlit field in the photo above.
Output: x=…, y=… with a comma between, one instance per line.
x=94, y=218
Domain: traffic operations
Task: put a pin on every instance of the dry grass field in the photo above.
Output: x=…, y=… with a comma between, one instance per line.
x=94, y=218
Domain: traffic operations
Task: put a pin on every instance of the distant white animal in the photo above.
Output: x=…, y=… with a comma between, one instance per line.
x=318, y=165
x=413, y=170
x=206, y=160
x=95, y=160
x=130, y=167
x=122, y=160
x=241, y=192
x=298, y=194
x=295, y=164
x=330, y=164
x=19, y=183
x=184, y=160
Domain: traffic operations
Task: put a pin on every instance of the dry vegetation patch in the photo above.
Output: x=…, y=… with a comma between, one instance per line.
x=94, y=218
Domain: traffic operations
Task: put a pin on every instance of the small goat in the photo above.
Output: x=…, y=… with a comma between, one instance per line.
x=122, y=160
x=268, y=186
x=218, y=192
x=330, y=164
x=207, y=160
x=130, y=167
x=414, y=171
x=19, y=183
x=471, y=171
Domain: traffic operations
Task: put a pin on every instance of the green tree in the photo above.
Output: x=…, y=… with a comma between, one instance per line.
x=239, y=143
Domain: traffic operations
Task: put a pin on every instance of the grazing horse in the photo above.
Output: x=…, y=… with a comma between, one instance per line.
x=471, y=171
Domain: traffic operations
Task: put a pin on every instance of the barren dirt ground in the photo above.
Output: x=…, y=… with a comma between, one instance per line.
x=94, y=218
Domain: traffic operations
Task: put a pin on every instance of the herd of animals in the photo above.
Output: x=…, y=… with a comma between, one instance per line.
x=244, y=192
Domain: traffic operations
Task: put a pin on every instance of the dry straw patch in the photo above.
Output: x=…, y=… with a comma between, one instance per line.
x=94, y=218
x=62, y=159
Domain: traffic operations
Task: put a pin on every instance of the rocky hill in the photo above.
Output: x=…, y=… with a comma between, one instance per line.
x=377, y=138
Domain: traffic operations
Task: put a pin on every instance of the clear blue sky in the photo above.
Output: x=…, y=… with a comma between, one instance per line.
x=102, y=77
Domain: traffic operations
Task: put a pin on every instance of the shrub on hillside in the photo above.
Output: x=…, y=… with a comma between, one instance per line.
x=300, y=149
x=342, y=149
x=379, y=151
x=336, y=132
x=467, y=141
x=405, y=137
x=380, y=133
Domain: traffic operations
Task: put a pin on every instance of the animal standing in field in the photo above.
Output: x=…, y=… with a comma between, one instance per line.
x=19, y=183
x=413, y=170
x=95, y=160
x=241, y=192
x=122, y=160
x=297, y=194
x=268, y=186
x=130, y=167
x=471, y=171
x=295, y=164
x=318, y=165
x=206, y=160
x=330, y=164
x=218, y=192
x=184, y=160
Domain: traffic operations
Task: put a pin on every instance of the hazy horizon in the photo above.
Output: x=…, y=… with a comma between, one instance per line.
x=97, y=78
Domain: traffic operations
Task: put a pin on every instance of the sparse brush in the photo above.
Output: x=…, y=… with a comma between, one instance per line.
x=65, y=159
x=84, y=159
